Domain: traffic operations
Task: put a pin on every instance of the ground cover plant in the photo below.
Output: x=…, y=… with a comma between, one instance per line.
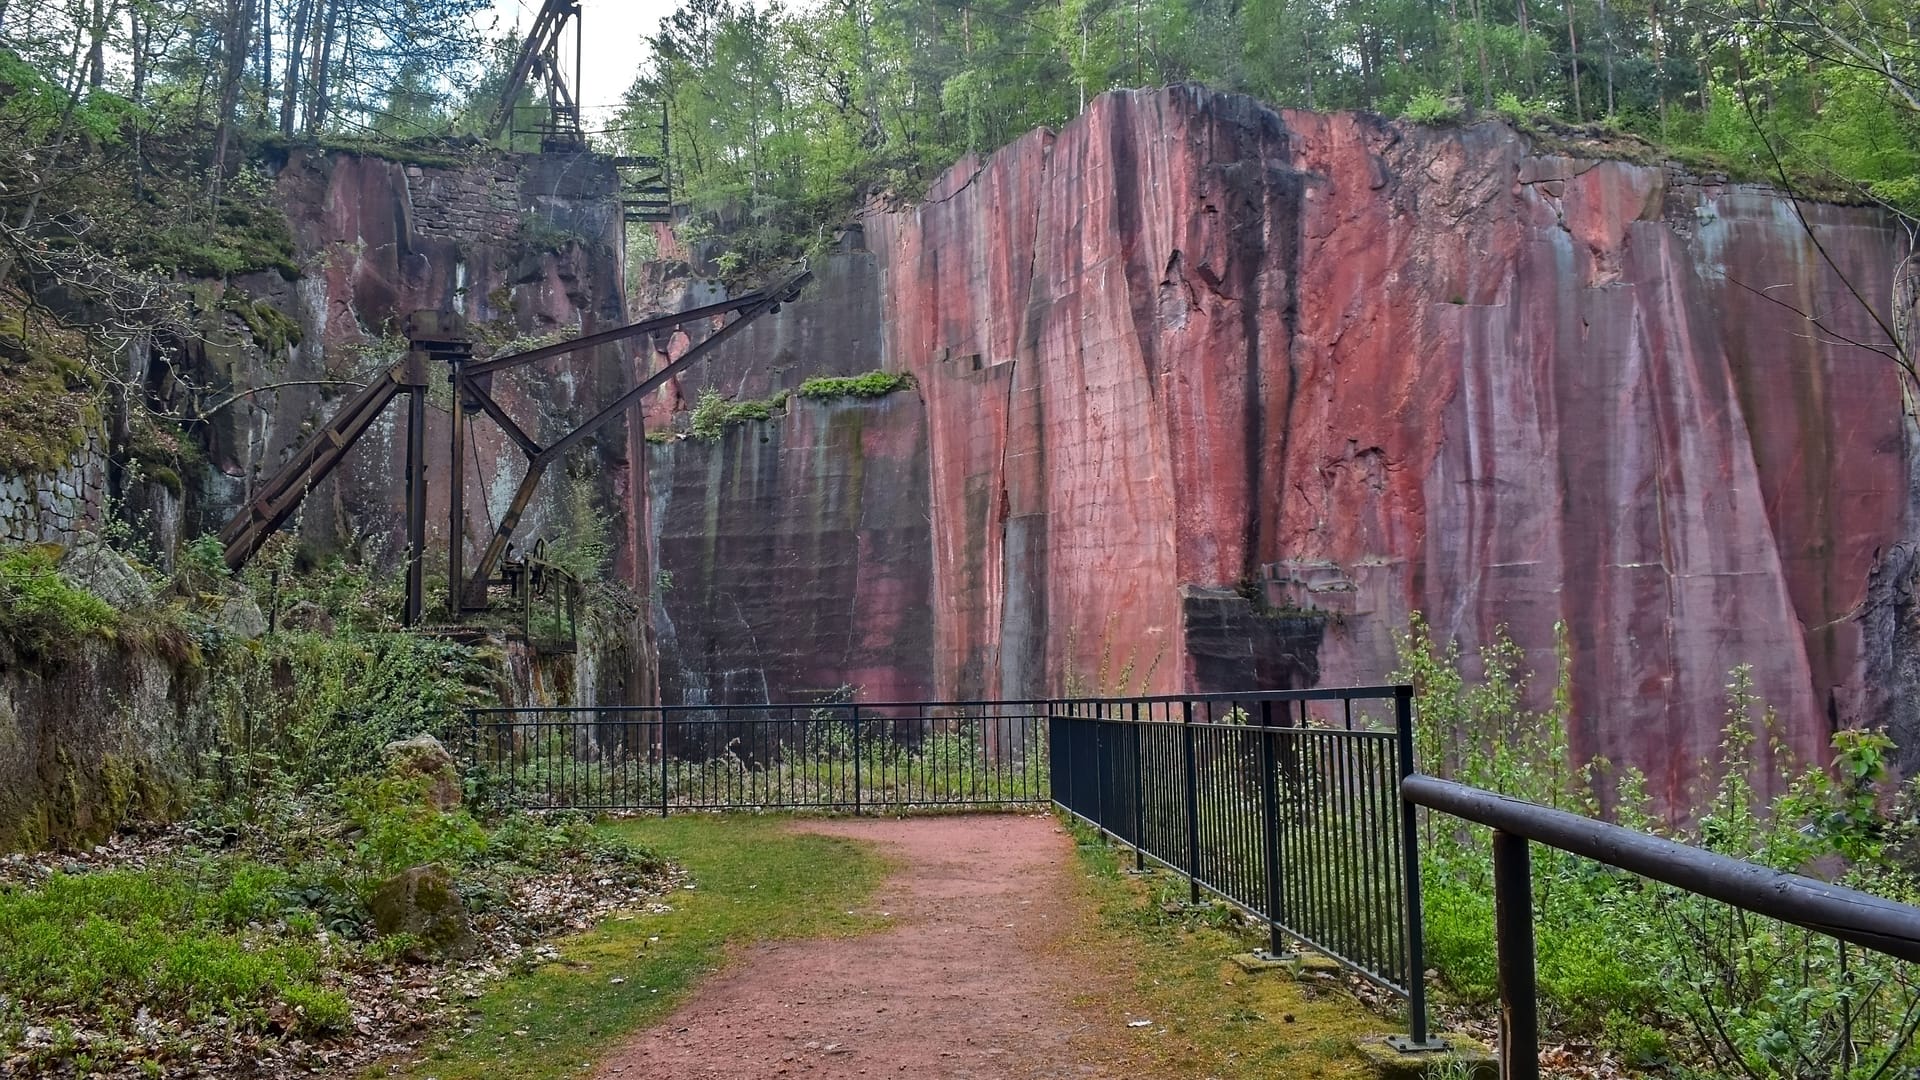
x=233, y=941
x=1209, y=1017
x=1664, y=980
x=747, y=879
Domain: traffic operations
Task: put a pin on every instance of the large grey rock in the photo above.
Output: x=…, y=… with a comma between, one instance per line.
x=241, y=617
x=91, y=565
x=424, y=756
x=307, y=615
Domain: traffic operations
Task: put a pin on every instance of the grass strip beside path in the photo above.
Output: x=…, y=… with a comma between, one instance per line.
x=1210, y=1018
x=754, y=879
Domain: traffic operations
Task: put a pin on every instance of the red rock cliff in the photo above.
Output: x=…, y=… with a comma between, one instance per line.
x=1189, y=353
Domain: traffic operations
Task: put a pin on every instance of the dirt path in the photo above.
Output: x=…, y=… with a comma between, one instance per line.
x=970, y=982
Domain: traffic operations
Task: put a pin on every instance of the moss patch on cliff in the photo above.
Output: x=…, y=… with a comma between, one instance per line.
x=272, y=329
x=49, y=397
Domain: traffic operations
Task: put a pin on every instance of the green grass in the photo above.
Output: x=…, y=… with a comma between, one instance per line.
x=186, y=939
x=1211, y=1018
x=755, y=880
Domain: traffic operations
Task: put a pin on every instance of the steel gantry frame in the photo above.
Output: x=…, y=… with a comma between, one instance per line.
x=435, y=336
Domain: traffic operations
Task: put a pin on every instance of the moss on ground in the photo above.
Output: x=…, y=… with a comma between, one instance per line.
x=1210, y=1017
x=756, y=881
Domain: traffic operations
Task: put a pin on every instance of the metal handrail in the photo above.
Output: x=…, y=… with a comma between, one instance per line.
x=1870, y=921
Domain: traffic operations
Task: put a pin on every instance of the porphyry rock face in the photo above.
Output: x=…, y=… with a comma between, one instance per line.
x=1190, y=352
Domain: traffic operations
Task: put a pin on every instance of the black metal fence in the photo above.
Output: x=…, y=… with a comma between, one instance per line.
x=824, y=756
x=1284, y=804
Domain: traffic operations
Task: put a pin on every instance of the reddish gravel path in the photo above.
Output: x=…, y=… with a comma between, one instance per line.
x=970, y=981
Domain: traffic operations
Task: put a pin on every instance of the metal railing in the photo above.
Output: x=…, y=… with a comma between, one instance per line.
x=1284, y=804
x=1846, y=914
x=820, y=756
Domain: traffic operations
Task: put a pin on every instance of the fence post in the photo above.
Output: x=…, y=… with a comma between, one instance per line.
x=1270, y=811
x=663, y=763
x=1139, y=798
x=856, y=761
x=1513, y=938
x=1193, y=804
x=1418, y=1037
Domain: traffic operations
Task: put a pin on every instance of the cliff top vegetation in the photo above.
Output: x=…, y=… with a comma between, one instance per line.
x=785, y=119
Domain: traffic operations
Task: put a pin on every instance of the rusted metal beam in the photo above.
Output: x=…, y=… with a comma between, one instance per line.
x=540, y=40
x=493, y=408
x=751, y=307
x=618, y=333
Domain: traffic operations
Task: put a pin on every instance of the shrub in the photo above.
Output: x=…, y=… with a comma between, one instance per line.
x=1432, y=107
x=871, y=385
x=1648, y=968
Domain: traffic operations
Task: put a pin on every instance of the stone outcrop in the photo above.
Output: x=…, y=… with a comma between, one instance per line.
x=422, y=903
x=1189, y=353
x=794, y=553
x=1216, y=396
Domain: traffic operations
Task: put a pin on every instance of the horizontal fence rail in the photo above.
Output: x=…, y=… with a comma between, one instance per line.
x=1873, y=922
x=828, y=756
x=1284, y=804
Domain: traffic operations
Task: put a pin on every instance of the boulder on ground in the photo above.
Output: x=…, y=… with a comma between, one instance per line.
x=422, y=902
x=307, y=615
x=91, y=565
x=423, y=756
x=241, y=617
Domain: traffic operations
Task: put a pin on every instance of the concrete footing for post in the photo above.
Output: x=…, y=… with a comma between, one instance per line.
x=1262, y=960
x=1452, y=1056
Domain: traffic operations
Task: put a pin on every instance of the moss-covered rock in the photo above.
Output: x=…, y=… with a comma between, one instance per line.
x=422, y=903
x=50, y=398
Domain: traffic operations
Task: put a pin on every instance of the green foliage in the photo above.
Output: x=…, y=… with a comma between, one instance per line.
x=49, y=395
x=41, y=614
x=584, y=542
x=1430, y=107
x=713, y=414
x=873, y=384
x=786, y=120
x=264, y=925
x=400, y=829
x=1655, y=971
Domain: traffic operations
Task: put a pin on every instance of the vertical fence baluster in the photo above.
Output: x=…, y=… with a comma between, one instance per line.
x=1270, y=830
x=856, y=760
x=1416, y=958
x=1193, y=803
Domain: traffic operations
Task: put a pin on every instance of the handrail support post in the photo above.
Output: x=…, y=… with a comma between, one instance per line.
x=1513, y=940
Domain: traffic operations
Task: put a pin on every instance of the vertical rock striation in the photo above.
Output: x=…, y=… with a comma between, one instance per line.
x=1218, y=395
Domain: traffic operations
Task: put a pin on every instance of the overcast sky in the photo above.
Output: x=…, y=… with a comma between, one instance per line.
x=612, y=47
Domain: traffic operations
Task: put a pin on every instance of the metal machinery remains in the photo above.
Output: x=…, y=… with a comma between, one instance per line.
x=439, y=336
x=560, y=130
x=646, y=187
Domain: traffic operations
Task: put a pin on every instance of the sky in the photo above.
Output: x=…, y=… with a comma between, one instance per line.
x=612, y=49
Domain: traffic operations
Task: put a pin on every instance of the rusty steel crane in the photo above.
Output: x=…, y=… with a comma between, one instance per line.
x=435, y=337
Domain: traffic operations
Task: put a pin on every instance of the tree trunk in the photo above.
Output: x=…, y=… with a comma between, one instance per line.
x=266, y=60
x=1526, y=48
x=323, y=69
x=296, y=52
x=1573, y=51
x=1480, y=44
x=96, y=54
x=239, y=35
x=1606, y=36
